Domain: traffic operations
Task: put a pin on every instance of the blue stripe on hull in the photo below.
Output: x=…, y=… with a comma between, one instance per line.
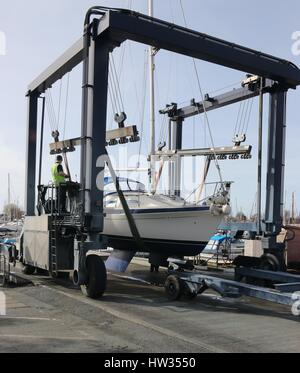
x=162, y=210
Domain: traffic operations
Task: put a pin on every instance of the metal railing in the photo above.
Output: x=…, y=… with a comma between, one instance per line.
x=53, y=204
x=217, y=187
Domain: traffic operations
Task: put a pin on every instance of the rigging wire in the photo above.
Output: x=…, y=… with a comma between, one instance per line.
x=113, y=85
x=114, y=88
x=237, y=120
x=116, y=84
x=245, y=117
x=134, y=82
x=241, y=117
x=49, y=110
x=66, y=106
x=115, y=94
x=204, y=108
x=123, y=51
x=141, y=105
x=249, y=115
x=142, y=118
x=52, y=120
x=112, y=95
x=114, y=78
x=59, y=104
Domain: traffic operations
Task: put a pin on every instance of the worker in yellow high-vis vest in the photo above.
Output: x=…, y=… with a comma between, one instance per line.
x=59, y=180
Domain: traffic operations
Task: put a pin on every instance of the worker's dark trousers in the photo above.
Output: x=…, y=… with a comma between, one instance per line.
x=61, y=197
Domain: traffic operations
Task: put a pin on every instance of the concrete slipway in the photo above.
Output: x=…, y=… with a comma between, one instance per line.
x=135, y=316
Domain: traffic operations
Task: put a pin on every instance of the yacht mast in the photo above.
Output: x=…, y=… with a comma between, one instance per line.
x=293, y=208
x=152, y=105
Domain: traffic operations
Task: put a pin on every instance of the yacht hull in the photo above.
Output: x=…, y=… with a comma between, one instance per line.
x=167, y=231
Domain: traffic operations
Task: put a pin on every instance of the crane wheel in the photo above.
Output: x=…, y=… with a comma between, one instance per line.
x=173, y=288
x=269, y=262
x=97, y=277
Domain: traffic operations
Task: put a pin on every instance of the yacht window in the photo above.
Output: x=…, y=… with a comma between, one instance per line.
x=111, y=203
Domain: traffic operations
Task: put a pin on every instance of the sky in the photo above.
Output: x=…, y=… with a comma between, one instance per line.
x=37, y=32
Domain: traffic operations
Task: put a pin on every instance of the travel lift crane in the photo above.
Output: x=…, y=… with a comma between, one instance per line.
x=105, y=29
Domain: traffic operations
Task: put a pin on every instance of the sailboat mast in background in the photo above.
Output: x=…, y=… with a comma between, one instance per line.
x=152, y=105
x=293, y=208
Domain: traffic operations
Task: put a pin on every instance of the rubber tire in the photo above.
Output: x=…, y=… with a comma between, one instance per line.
x=173, y=288
x=28, y=270
x=269, y=262
x=97, y=278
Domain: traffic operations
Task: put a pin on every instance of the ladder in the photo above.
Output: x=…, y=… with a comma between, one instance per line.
x=53, y=246
x=53, y=238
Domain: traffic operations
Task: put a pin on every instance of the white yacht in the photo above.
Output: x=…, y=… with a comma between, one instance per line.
x=167, y=225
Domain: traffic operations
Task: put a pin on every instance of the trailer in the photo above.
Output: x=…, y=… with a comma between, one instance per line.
x=190, y=283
